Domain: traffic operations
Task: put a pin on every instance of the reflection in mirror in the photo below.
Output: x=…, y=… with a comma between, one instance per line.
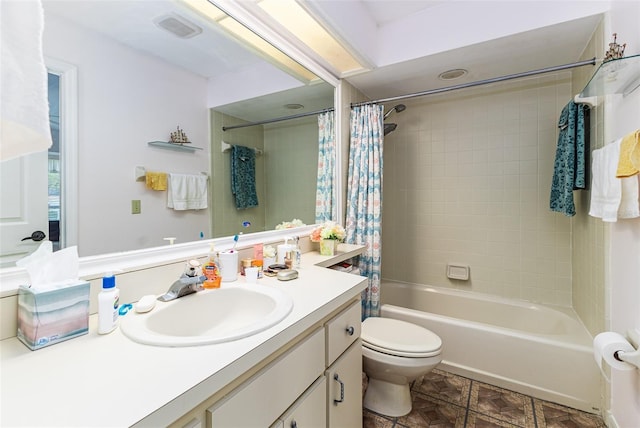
x=137, y=82
x=286, y=161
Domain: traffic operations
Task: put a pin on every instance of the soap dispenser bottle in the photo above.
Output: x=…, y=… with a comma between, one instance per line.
x=108, y=301
x=210, y=271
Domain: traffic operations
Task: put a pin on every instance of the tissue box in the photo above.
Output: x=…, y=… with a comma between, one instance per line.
x=52, y=316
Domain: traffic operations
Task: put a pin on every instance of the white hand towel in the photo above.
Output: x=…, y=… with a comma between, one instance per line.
x=606, y=189
x=629, y=200
x=187, y=192
x=24, y=107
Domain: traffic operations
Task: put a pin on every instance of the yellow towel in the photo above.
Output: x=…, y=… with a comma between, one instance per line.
x=635, y=153
x=156, y=180
x=629, y=163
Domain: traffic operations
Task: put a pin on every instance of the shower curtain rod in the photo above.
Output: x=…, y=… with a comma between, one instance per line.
x=278, y=119
x=591, y=61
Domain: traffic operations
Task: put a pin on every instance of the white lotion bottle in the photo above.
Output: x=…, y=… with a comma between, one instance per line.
x=108, y=300
x=283, y=249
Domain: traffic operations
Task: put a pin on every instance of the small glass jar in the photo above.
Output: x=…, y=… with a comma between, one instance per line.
x=245, y=263
x=257, y=263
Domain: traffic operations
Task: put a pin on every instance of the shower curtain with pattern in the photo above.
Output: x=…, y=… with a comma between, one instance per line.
x=325, y=196
x=364, y=198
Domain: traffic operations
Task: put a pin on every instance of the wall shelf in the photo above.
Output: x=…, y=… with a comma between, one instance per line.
x=177, y=147
x=618, y=76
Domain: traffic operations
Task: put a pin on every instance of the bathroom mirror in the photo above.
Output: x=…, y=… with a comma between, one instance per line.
x=143, y=70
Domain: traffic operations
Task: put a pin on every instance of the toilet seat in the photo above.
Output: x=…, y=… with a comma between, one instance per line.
x=399, y=338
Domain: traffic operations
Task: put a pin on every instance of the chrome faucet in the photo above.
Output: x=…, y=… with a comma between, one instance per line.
x=184, y=286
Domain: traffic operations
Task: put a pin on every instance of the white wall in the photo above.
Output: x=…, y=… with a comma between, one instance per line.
x=127, y=98
x=623, y=116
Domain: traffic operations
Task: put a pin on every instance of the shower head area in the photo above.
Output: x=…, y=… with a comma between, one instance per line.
x=390, y=127
x=397, y=109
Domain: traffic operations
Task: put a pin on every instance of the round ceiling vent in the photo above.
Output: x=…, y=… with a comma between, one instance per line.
x=456, y=73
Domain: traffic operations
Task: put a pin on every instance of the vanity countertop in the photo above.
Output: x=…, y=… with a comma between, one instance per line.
x=109, y=380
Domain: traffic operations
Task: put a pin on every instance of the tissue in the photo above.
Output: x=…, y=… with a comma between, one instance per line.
x=48, y=270
x=604, y=346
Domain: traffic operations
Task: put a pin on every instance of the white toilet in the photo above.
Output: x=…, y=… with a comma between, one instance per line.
x=394, y=353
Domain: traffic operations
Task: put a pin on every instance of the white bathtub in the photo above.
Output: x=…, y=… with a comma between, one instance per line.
x=532, y=349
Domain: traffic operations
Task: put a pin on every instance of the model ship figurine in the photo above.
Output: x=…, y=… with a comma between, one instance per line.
x=179, y=137
x=615, y=51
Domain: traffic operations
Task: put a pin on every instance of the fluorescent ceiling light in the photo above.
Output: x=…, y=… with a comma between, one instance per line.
x=251, y=40
x=301, y=24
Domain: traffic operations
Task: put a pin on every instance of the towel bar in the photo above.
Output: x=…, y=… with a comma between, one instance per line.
x=141, y=173
x=226, y=146
x=591, y=101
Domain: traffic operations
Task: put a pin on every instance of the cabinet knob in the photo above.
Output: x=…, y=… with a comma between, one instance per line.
x=350, y=330
x=294, y=424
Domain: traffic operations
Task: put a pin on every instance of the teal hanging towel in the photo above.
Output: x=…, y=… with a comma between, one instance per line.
x=569, y=172
x=243, y=177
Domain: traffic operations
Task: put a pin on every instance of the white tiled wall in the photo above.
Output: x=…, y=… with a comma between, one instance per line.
x=467, y=179
x=589, y=233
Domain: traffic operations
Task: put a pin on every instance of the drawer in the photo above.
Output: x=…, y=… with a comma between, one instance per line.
x=263, y=398
x=342, y=331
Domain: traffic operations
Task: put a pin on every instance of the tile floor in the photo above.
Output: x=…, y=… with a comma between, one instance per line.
x=442, y=399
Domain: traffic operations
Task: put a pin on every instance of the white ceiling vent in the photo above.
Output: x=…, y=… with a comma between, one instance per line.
x=177, y=25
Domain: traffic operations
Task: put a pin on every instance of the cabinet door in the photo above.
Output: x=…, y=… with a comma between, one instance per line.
x=310, y=411
x=264, y=397
x=344, y=392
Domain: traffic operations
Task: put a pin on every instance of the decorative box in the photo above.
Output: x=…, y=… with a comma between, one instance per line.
x=51, y=316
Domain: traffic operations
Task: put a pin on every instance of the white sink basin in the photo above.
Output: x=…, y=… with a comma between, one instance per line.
x=210, y=316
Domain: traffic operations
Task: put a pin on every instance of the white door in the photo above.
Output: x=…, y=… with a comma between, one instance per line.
x=23, y=205
x=24, y=181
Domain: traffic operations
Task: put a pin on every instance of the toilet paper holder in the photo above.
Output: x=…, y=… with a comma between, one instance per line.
x=632, y=357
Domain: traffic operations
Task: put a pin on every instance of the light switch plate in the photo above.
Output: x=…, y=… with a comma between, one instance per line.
x=135, y=206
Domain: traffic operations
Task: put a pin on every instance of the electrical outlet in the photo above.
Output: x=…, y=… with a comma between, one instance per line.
x=135, y=206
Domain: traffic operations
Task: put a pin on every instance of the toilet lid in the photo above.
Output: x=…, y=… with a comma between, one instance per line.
x=399, y=338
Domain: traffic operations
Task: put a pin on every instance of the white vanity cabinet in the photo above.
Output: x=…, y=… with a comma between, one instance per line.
x=344, y=369
x=341, y=398
x=317, y=383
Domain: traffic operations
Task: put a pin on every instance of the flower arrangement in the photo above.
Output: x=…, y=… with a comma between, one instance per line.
x=328, y=230
x=268, y=251
x=290, y=224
